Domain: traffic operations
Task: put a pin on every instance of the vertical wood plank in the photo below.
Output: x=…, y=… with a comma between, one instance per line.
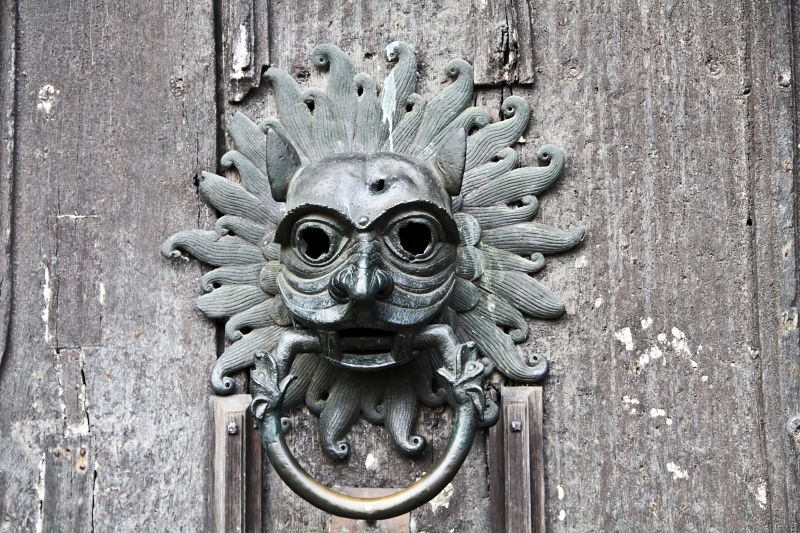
x=516, y=456
x=536, y=438
x=516, y=432
x=774, y=68
x=650, y=104
x=494, y=36
x=115, y=117
x=521, y=42
x=237, y=466
x=8, y=72
x=497, y=484
x=68, y=483
x=254, y=475
x=245, y=47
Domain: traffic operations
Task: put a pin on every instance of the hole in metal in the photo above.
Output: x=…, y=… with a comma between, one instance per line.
x=316, y=242
x=414, y=237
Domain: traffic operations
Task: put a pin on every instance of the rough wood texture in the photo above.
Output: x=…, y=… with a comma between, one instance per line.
x=495, y=452
x=67, y=486
x=237, y=463
x=245, y=46
x=516, y=434
x=673, y=381
x=516, y=462
x=654, y=397
x=499, y=34
x=115, y=117
x=494, y=36
x=774, y=120
x=8, y=73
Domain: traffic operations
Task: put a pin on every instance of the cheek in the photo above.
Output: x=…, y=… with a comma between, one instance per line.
x=422, y=276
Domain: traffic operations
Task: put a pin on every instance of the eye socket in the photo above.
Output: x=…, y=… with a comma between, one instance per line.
x=415, y=238
x=317, y=242
x=314, y=242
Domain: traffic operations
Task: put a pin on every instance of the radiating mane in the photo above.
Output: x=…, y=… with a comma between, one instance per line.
x=500, y=249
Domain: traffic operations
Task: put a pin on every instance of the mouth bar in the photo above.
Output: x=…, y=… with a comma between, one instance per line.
x=359, y=340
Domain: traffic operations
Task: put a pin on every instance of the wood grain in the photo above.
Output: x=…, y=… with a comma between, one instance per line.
x=773, y=127
x=436, y=31
x=237, y=464
x=495, y=458
x=8, y=74
x=663, y=432
x=245, y=46
x=673, y=380
x=516, y=462
x=67, y=486
x=115, y=117
x=494, y=36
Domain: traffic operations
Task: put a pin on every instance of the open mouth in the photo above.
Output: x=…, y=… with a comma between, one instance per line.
x=366, y=348
x=366, y=340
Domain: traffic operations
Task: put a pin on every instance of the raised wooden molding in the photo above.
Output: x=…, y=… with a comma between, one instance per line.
x=236, y=487
x=516, y=462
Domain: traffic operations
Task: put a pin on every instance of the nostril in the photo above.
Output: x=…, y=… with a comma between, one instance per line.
x=385, y=284
x=337, y=287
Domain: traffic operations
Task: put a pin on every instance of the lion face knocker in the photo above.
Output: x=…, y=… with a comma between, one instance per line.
x=377, y=254
x=369, y=249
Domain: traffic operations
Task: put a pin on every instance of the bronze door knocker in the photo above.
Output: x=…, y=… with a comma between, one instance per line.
x=377, y=252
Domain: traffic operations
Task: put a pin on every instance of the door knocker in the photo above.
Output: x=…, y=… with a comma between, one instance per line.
x=376, y=251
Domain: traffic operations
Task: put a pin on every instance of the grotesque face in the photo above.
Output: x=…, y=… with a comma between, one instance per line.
x=368, y=245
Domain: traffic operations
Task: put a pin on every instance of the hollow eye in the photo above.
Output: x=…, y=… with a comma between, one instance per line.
x=317, y=242
x=415, y=238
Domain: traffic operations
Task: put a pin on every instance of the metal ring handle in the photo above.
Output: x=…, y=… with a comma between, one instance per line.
x=330, y=501
x=462, y=375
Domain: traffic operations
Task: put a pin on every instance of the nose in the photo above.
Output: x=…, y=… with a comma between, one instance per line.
x=361, y=280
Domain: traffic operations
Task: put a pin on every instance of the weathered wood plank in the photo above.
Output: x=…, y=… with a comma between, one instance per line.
x=652, y=399
x=516, y=463
x=773, y=70
x=237, y=465
x=245, y=46
x=78, y=278
x=31, y=415
x=498, y=43
x=116, y=116
x=150, y=379
x=68, y=486
x=536, y=410
x=8, y=73
x=494, y=36
x=495, y=458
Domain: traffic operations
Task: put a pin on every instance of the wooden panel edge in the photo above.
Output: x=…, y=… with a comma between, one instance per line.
x=8, y=99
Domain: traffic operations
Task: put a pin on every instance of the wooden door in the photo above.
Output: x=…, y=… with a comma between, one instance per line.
x=672, y=402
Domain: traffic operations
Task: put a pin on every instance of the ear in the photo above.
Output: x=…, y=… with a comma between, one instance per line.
x=282, y=163
x=450, y=161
